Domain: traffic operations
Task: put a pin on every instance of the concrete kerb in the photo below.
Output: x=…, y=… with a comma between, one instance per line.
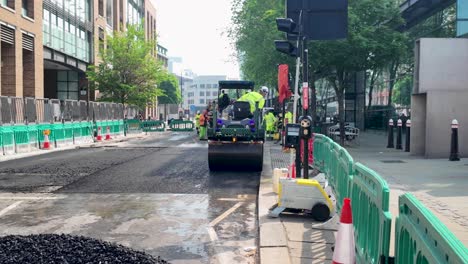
x=273, y=244
x=84, y=145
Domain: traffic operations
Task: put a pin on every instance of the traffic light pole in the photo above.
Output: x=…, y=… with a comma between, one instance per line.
x=305, y=81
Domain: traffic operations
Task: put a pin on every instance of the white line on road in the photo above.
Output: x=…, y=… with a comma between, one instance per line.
x=212, y=234
x=11, y=207
x=225, y=214
x=231, y=200
x=30, y=197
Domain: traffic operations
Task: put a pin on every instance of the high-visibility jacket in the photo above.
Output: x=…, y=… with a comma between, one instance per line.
x=202, y=120
x=253, y=98
x=270, y=120
x=197, y=120
x=288, y=117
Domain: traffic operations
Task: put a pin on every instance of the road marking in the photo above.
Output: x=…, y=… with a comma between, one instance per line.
x=29, y=198
x=225, y=214
x=11, y=207
x=231, y=199
x=212, y=234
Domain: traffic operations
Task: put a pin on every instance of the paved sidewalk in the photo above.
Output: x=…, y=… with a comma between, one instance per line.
x=289, y=238
x=439, y=184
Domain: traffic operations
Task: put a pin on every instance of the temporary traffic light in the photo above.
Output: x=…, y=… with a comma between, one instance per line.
x=287, y=25
x=285, y=46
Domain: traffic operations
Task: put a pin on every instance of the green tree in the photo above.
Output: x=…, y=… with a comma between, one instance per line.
x=402, y=91
x=169, y=86
x=372, y=41
x=253, y=34
x=128, y=73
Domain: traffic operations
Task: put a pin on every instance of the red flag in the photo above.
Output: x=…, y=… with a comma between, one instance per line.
x=283, y=82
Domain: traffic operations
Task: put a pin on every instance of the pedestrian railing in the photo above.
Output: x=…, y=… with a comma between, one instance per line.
x=420, y=236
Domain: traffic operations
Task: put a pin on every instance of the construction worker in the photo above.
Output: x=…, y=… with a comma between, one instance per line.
x=223, y=101
x=197, y=122
x=270, y=121
x=288, y=118
x=203, y=122
x=255, y=98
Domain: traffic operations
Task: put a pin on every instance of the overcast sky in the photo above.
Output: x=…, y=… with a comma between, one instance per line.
x=196, y=32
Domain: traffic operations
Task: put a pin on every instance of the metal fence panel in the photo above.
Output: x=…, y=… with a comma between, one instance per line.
x=6, y=110
x=30, y=110
x=17, y=104
x=83, y=108
x=420, y=237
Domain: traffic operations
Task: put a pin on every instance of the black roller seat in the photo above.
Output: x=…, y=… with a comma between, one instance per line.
x=241, y=110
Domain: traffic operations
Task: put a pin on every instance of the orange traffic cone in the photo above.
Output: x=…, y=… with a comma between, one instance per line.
x=46, y=139
x=344, y=252
x=99, y=135
x=108, y=137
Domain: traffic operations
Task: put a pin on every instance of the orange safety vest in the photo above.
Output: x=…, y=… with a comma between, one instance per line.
x=202, y=120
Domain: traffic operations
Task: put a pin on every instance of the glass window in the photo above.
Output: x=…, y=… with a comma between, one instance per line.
x=62, y=86
x=208, y=85
x=208, y=93
x=72, y=76
x=109, y=10
x=215, y=93
x=62, y=76
x=101, y=7
x=202, y=86
x=202, y=101
x=202, y=93
x=62, y=95
x=215, y=85
x=73, y=86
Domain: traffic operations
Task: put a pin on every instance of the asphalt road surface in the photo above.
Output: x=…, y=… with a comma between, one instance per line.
x=154, y=194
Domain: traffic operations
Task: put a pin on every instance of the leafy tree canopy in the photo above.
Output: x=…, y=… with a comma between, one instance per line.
x=169, y=86
x=128, y=73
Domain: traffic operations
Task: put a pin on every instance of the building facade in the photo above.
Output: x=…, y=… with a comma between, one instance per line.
x=47, y=46
x=203, y=91
x=21, y=67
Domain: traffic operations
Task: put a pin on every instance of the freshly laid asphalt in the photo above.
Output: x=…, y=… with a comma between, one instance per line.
x=155, y=195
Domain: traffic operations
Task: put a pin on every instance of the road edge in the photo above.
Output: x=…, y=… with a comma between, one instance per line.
x=273, y=246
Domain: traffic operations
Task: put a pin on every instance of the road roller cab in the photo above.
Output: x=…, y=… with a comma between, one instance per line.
x=236, y=136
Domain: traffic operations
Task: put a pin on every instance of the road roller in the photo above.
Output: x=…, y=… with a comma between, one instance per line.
x=235, y=135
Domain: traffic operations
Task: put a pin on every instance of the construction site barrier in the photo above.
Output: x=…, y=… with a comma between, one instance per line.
x=153, y=126
x=371, y=197
x=178, y=125
x=132, y=126
x=421, y=238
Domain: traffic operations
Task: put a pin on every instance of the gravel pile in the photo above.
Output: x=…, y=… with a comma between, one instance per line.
x=51, y=248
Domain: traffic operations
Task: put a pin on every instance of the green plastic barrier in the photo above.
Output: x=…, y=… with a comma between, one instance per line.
x=121, y=124
x=86, y=129
x=21, y=136
x=132, y=126
x=115, y=128
x=68, y=133
x=371, y=217
x=178, y=125
x=33, y=136
x=8, y=140
x=334, y=155
x=59, y=134
x=344, y=177
x=77, y=138
x=319, y=151
x=422, y=238
x=153, y=126
x=328, y=155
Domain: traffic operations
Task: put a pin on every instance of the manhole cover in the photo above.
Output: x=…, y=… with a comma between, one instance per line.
x=392, y=161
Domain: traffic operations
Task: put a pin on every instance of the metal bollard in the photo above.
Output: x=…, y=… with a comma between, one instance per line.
x=398, y=139
x=390, y=134
x=408, y=133
x=454, y=156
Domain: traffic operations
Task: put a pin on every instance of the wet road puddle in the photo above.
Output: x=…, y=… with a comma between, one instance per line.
x=181, y=228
